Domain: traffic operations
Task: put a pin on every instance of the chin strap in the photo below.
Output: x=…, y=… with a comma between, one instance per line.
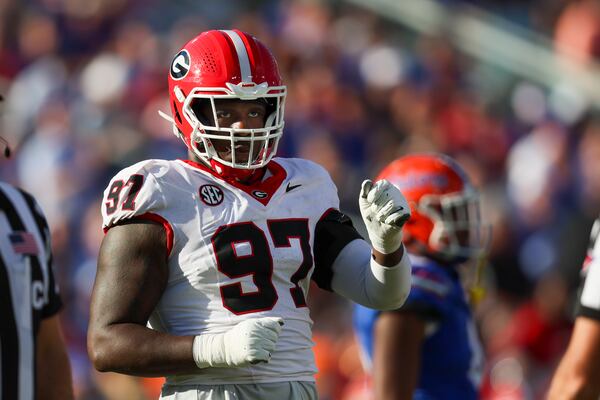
x=167, y=117
x=477, y=290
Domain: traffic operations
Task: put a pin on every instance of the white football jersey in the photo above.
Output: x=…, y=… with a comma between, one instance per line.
x=235, y=252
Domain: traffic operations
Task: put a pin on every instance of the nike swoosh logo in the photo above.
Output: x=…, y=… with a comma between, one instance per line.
x=291, y=187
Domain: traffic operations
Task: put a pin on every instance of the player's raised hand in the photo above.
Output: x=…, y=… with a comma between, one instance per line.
x=249, y=342
x=384, y=211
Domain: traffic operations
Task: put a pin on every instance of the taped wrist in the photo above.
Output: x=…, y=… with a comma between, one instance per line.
x=387, y=245
x=209, y=351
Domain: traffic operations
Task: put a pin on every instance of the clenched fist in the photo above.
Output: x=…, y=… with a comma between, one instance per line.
x=249, y=342
x=384, y=211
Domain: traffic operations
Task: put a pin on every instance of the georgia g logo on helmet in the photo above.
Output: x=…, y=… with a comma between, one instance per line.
x=180, y=65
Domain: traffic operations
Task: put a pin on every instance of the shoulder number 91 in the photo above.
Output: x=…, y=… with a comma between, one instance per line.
x=134, y=183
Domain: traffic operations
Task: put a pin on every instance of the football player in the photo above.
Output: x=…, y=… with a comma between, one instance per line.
x=429, y=348
x=578, y=374
x=216, y=252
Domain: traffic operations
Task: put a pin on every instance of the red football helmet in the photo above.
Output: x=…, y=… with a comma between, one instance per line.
x=445, y=221
x=226, y=64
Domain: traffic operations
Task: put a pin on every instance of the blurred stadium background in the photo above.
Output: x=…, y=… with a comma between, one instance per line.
x=509, y=87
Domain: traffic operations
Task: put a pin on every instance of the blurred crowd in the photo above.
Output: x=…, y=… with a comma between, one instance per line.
x=83, y=80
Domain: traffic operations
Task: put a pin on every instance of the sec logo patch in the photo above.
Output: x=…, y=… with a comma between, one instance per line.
x=211, y=195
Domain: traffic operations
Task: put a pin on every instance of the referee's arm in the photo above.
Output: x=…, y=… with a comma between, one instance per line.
x=53, y=373
x=578, y=374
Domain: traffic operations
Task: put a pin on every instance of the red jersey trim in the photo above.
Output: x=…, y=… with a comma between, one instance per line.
x=586, y=263
x=269, y=185
x=155, y=218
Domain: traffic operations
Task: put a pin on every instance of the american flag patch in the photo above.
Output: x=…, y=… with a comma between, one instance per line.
x=23, y=243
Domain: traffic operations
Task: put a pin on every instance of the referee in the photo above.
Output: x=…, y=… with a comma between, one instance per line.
x=34, y=362
x=578, y=374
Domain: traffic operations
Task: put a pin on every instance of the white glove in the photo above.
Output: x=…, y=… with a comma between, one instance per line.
x=249, y=342
x=384, y=210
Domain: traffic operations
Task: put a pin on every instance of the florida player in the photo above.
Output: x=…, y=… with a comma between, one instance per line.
x=216, y=253
x=428, y=349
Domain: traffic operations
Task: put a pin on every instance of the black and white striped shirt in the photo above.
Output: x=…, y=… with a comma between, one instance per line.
x=28, y=292
x=590, y=296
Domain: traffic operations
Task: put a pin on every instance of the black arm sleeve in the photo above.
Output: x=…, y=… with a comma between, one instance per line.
x=332, y=233
x=588, y=312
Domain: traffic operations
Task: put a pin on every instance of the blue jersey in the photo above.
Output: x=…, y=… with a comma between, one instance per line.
x=451, y=356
